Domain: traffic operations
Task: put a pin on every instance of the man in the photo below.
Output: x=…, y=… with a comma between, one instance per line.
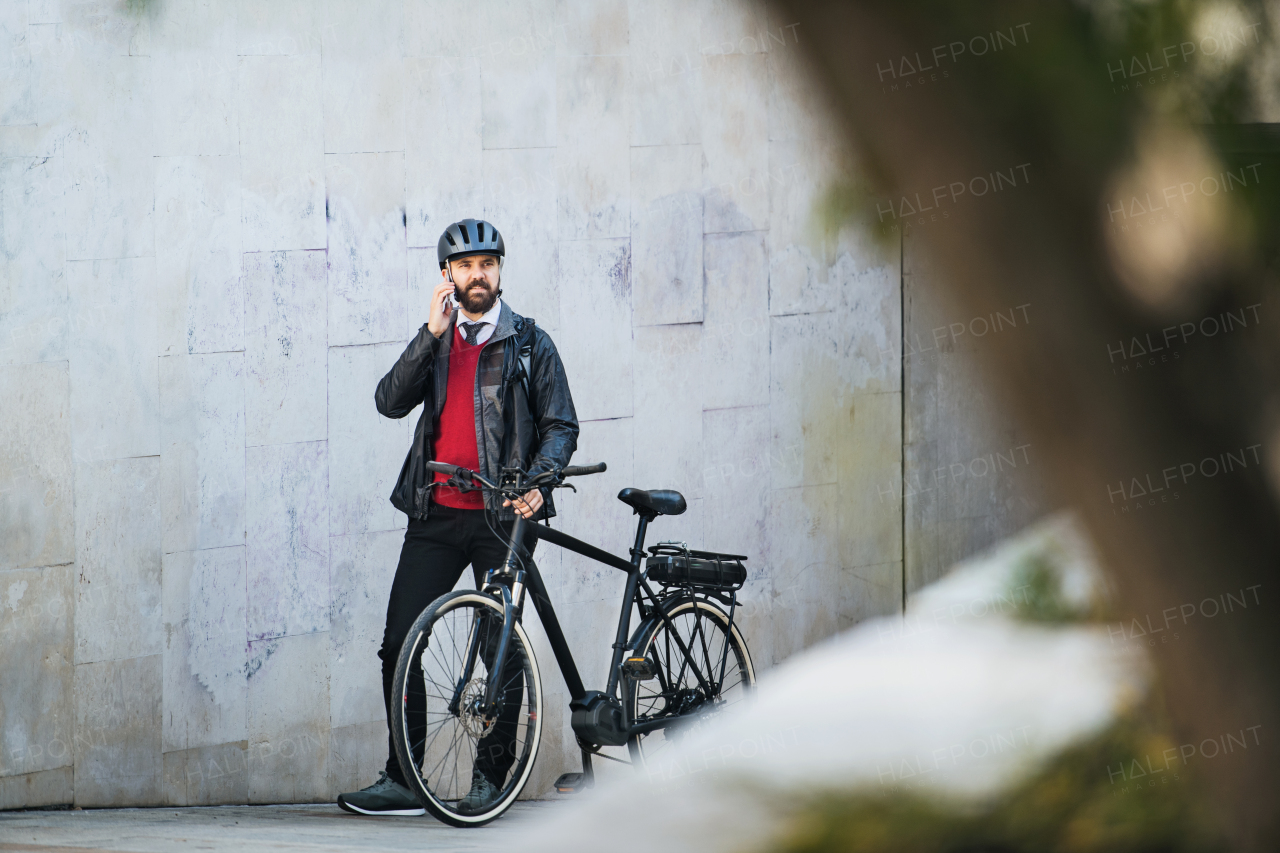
x=479, y=412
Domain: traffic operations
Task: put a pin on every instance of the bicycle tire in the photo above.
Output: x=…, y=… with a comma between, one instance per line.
x=646, y=749
x=440, y=795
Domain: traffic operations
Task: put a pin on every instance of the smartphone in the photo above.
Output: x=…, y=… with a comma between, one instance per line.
x=453, y=298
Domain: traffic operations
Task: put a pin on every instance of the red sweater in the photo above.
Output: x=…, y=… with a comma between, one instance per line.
x=455, y=439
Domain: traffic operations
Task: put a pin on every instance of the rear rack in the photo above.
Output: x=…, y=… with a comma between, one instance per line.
x=676, y=564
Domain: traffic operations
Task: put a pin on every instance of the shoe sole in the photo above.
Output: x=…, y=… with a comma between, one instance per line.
x=345, y=806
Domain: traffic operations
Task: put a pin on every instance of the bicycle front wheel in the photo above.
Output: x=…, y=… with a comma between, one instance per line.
x=444, y=736
x=717, y=673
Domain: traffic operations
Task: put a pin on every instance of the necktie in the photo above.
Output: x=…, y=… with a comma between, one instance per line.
x=471, y=330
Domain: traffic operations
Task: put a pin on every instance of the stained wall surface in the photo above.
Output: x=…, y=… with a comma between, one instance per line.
x=217, y=231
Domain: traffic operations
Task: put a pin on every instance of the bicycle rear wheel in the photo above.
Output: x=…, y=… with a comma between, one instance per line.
x=440, y=731
x=676, y=690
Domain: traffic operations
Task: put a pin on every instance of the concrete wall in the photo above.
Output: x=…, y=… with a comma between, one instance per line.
x=970, y=476
x=217, y=229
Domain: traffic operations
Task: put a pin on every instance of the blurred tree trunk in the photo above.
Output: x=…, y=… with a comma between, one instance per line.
x=1048, y=103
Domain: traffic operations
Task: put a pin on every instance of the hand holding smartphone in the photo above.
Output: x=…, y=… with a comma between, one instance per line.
x=443, y=301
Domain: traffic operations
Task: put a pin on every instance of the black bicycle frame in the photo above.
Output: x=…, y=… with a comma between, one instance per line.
x=524, y=574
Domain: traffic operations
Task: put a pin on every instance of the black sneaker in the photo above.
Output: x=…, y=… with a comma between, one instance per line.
x=384, y=797
x=483, y=793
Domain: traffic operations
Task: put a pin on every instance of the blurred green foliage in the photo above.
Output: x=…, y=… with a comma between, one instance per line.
x=1119, y=791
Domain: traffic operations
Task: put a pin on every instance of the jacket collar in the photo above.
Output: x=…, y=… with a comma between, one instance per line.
x=506, y=325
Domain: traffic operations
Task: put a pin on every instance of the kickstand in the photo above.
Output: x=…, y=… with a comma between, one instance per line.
x=573, y=783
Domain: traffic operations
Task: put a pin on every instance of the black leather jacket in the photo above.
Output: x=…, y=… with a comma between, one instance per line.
x=509, y=431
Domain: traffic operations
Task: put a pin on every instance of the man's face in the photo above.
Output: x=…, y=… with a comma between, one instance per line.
x=476, y=281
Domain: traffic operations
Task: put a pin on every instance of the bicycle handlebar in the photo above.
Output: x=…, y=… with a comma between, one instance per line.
x=463, y=474
x=580, y=470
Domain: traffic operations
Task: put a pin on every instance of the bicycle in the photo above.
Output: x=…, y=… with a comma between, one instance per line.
x=470, y=687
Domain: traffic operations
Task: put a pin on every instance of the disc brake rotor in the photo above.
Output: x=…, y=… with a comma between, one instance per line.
x=470, y=710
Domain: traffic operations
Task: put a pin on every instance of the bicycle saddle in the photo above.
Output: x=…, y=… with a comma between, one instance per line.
x=658, y=501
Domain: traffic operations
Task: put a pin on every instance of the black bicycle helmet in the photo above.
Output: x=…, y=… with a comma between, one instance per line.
x=469, y=237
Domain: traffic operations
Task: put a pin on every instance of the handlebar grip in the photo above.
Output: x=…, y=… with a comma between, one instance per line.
x=579, y=470
x=445, y=468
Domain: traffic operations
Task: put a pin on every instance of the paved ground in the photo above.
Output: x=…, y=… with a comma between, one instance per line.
x=251, y=829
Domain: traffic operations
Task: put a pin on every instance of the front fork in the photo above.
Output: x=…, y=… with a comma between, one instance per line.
x=508, y=584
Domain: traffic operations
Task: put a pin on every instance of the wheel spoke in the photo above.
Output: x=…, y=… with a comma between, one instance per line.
x=686, y=681
x=443, y=743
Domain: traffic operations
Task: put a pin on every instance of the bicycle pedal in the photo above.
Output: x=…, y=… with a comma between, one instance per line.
x=639, y=668
x=572, y=783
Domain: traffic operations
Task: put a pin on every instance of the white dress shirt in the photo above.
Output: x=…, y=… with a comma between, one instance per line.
x=489, y=318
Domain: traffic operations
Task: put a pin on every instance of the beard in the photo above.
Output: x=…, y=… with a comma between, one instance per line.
x=477, y=298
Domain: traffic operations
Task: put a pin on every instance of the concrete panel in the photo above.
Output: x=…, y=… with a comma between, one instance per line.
x=868, y=591
x=193, y=78
x=357, y=754
x=366, y=248
x=364, y=102
x=96, y=32
x=666, y=234
x=735, y=328
x=114, y=370
x=444, y=149
x=423, y=35
x=804, y=561
x=519, y=74
x=109, y=213
x=869, y=470
x=735, y=141
x=118, y=535
x=592, y=156
x=366, y=450
x=970, y=475
x=288, y=543
x=207, y=775
x=735, y=483
x=198, y=223
x=33, y=790
x=666, y=74
x=803, y=354
x=33, y=291
x=668, y=409
x=19, y=103
x=870, y=312
x=37, y=504
x=363, y=77
x=593, y=514
x=796, y=106
x=289, y=719
x=735, y=513
x=202, y=459
x=801, y=253
x=519, y=100
x=117, y=735
x=730, y=27
x=591, y=27
x=286, y=355
x=520, y=200
x=595, y=281
x=267, y=28
x=35, y=656
x=205, y=652
x=362, y=567
x=282, y=152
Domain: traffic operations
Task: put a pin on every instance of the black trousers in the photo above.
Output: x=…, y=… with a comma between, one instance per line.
x=435, y=552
